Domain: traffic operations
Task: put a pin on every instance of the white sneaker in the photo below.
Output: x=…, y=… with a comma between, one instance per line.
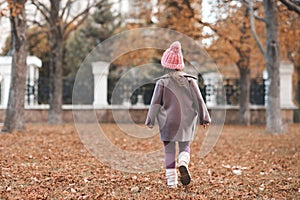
x=171, y=175
x=183, y=162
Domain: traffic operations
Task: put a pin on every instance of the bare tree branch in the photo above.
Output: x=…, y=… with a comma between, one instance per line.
x=83, y=13
x=247, y=3
x=68, y=14
x=253, y=29
x=42, y=8
x=259, y=18
x=41, y=5
x=224, y=36
x=68, y=30
x=291, y=6
x=66, y=8
x=36, y=22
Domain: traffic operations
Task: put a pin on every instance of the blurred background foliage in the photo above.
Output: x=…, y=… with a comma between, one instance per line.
x=219, y=26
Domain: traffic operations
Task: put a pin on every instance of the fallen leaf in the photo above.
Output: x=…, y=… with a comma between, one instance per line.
x=135, y=189
x=226, y=166
x=261, y=187
x=73, y=190
x=237, y=172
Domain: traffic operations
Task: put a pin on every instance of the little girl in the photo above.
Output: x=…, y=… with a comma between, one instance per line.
x=177, y=104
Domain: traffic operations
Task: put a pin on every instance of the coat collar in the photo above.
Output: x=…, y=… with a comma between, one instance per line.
x=180, y=74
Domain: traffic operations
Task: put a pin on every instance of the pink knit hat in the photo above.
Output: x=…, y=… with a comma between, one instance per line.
x=172, y=57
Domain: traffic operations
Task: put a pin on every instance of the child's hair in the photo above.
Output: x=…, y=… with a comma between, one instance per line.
x=174, y=75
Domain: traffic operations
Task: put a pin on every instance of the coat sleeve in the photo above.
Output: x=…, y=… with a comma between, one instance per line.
x=204, y=116
x=155, y=105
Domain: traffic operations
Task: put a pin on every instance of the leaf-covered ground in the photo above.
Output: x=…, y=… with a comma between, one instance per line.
x=50, y=162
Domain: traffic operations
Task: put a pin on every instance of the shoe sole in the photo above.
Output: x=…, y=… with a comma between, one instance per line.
x=185, y=177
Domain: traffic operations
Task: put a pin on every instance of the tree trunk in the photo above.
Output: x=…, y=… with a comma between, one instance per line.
x=55, y=77
x=244, y=113
x=273, y=114
x=14, y=119
x=244, y=69
x=56, y=57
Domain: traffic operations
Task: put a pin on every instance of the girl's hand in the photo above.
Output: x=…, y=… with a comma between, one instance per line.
x=206, y=125
x=150, y=126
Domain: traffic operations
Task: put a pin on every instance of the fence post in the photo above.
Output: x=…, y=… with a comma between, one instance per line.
x=286, y=84
x=100, y=71
x=286, y=70
x=5, y=89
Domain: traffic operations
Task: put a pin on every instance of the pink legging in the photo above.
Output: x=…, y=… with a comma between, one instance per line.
x=170, y=152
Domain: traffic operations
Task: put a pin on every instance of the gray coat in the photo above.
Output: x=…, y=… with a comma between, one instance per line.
x=177, y=108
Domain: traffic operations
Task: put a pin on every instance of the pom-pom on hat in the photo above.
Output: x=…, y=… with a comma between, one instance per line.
x=172, y=58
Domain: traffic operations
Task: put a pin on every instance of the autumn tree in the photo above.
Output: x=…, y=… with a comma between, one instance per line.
x=271, y=55
x=273, y=114
x=289, y=31
x=181, y=16
x=139, y=15
x=254, y=12
x=231, y=43
x=59, y=20
x=14, y=119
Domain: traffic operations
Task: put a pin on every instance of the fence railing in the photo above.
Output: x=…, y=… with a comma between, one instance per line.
x=209, y=91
